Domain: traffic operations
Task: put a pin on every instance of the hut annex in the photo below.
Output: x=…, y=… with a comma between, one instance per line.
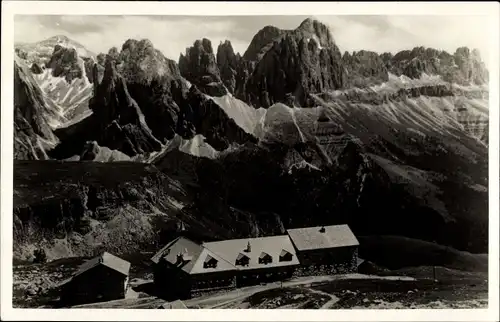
x=325, y=250
x=102, y=278
x=186, y=269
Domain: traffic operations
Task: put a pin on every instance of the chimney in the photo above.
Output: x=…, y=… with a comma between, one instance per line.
x=249, y=248
x=180, y=258
x=181, y=227
x=322, y=229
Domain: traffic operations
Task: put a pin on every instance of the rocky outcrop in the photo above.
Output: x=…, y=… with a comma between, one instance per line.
x=305, y=60
x=31, y=129
x=227, y=62
x=21, y=53
x=365, y=68
x=199, y=67
x=139, y=62
x=93, y=152
x=141, y=103
x=261, y=42
x=94, y=70
x=64, y=63
x=201, y=115
x=36, y=69
x=243, y=72
x=120, y=116
x=154, y=82
x=117, y=121
x=463, y=67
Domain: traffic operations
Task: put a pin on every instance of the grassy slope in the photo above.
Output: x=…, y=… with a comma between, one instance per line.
x=395, y=252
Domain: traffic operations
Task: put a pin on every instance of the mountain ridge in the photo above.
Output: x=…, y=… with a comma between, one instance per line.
x=293, y=126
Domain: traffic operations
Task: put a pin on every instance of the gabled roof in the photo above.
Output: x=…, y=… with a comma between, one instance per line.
x=312, y=238
x=233, y=249
x=284, y=253
x=196, y=253
x=264, y=255
x=108, y=260
x=181, y=245
x=241, y=256
x=222, y=264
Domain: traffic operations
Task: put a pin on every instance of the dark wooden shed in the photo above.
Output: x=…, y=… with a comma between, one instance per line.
x=103, y=278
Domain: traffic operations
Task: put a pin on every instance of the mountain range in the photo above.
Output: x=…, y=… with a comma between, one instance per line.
x=291, y=133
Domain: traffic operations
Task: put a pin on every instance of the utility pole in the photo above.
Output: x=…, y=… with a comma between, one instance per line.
x=434, y=272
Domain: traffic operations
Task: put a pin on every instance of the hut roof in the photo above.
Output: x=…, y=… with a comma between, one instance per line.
x=108, y=260
x=322, y=237
x=232, y=249
x=194, y=256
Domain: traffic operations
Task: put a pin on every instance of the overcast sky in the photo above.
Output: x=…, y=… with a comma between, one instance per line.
x=172, y=34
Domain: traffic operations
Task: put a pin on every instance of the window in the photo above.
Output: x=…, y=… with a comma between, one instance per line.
x=285, y=256
x=210, y=262
x=265, y=258
x=242, y=260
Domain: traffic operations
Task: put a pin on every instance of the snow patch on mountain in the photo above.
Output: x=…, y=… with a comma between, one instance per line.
x=70, y=99
x=196, y=146
x=40, y=52
x=245, y=116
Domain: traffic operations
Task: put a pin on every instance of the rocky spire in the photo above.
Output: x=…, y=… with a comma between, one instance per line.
x=299, y=62
x=199, y=67
x=227, y=61
x=64, y=63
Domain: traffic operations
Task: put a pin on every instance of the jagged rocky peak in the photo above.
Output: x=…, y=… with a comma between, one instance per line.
x=64, y=62
x=299, y=63
x=317, y=30
x=365, y=68
x=199, y=66
x=261, y=42
x=30, y=116
x=228, y=61
x=140, y=62
x=226, y=55
x=463, y=67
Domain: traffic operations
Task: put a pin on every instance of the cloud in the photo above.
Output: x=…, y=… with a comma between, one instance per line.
x=172, y=34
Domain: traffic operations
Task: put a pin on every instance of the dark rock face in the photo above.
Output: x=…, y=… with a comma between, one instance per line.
x=304, y=61
x=244, y=70
x=29, y=116
x=120, y=117
x=463, y=67
x=90, y=151
x=202, y=115
x=64, y=63
x=140, y=62
x=365, y=68
x=261, y=42
x=199, y=67
x=94, y=71
x=153, y=81
x=228, y=62
x=117, y=121
x=36, y=69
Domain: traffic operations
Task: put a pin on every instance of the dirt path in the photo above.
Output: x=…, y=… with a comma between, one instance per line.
x=219, y=300
x=330, y=303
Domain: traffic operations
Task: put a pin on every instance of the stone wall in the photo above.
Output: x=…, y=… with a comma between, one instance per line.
x=198, y=289
x=328, y=268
